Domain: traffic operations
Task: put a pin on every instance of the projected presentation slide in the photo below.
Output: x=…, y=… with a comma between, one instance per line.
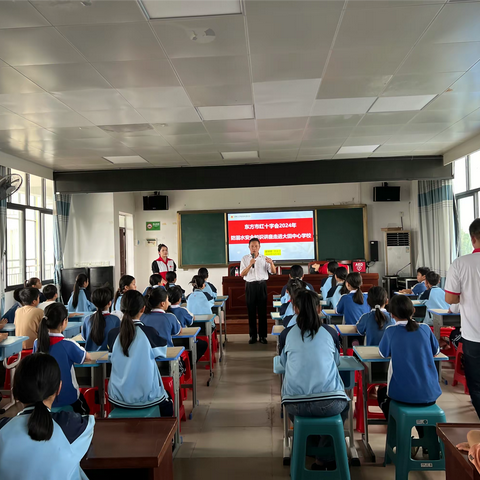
x=283, y=235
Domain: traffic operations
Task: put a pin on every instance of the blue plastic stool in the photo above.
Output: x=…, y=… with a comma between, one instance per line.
x=150, y=412
x=306, y=426
x=401, y=419
x=65, y=408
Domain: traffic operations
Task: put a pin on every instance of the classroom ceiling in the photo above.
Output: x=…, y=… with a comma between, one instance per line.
x=282, y=81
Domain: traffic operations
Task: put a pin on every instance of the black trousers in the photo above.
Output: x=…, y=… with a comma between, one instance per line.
x=471, y=357
x=256, y=296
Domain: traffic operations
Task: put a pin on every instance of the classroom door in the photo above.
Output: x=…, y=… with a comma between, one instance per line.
x=123, y=251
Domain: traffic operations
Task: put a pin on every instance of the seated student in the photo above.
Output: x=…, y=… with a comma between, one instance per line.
x=433, y=297
x=51, y=294
x=472, y=446
x=66, y=352
x=329, y=282
x=96, y=327
x=209, y=287
x=9, y=316
x=374, y=323
x=135, y=381
x=312, y=386
x=28, y=318
x=293, y=285
x=184, y=317
x=295, y=272
x=37, y=443
x=198, y=294
x=339, y=289
x=35, y=282
x=126, y=283
x=156, y=280
x=171, y=282
x=78, y=301
x=421, y=286
x=353, y=305
x=413, y=378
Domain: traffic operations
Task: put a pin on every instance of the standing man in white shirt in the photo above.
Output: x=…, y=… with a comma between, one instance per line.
x=255, y=269
x=463, y=287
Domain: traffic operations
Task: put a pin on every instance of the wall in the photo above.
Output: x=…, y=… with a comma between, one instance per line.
x=380, y=215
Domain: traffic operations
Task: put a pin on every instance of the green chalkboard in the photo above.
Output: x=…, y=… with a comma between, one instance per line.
x=202, y=239
x=340, y=234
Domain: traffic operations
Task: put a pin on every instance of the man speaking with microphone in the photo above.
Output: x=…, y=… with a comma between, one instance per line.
x=255, y=268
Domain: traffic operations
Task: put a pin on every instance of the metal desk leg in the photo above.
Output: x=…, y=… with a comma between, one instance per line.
x=175, y=374
x=287, y=443
x=345, y=345
x=193, y=349
x=354, y=460
x=208, y=328
x=220, y=356
x=99, y=375
x=225, y=320
x=365, y=413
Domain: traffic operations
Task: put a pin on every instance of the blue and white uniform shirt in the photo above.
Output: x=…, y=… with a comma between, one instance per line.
x=183, y=315
x=166, y=324
x=111, y=322
x=367, y=325
x=350, y=310
x=83, y=305
x=198, y=304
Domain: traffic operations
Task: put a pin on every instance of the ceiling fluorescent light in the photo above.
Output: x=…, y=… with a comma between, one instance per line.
x=358, y=149
x=234, y=112
x=126, y=159
x=401, y=104
x=155, y=9
x=238, y=155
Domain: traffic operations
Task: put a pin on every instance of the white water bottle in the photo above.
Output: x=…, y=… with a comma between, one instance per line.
x=237, y=273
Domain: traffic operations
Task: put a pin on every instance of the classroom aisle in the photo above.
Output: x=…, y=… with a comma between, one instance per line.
x=236, y=432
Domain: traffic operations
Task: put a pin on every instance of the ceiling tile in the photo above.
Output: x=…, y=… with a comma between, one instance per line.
x=470, y=82
x=397, y=149
x=286, y=91
x=350, y=87
x=145, y=141
x=213, y=158
x=279, y=145
x=224, y=112
x=389, y=27
x=202, y=139
x=342, y=106
x=463, y=101
x=106, y=43
x=288, y=66
x=404, y=103
x=221, y=95
x=166, y=9
x=420, y=84
x=234, y=137
x=230, y=126
x=369, y=130
x=212, y=71
x=319, y=151
x=293, y=123
x=36, y=46
x=168, y=115
x=148, y=152
x=283, y=110
x=156, y=97
x=419, y=128
x=20, y=14
x=75, y=13
x=323, y=142
x=58, y=119
x=355, y=149
x=93, y=100
x=178, y=36
x=335, y=132
x=409, y=138
x=272, y=154
x=180, y=128
x=238, y=147
x=79, y=132
x=438, y=116
x=372, y=140
x=330, y=121
x=239, y=155
x=396, y=118
x=12, y=81
x=65, y=77
x=306, y=158
x=452, y=136
x=22, y=103
x=456, y=23
x=167, y=160
x=277, y=135
x=113, y=117
x=314, y=24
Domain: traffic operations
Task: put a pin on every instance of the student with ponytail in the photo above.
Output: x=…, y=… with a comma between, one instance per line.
x=78, y=300
x=287, y=311
x=35, y=282
x=352, y=305
x=209, y=287
x=374, y=323
x=66, y=352
x=126, y=283
x=96, y=327
x=413, y=378
x=312, y=386
x=135, y=381
x=198, y=302
x=155, y=281
x=37, y=443
x=336, y=292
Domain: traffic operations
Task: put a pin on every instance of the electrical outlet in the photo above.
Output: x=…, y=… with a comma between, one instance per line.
x=401, y=214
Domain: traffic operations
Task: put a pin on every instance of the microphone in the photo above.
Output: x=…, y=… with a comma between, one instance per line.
x=403, y=268
x=253, y=265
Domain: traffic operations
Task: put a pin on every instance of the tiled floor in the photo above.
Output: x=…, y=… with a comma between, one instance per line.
x=236, y=432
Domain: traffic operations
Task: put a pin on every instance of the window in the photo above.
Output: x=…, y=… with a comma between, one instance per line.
x=460, y=175
x=30, y=231
x=474, y=170
x=466, y=214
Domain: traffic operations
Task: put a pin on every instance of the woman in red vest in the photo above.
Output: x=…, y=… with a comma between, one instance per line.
x=163, y=264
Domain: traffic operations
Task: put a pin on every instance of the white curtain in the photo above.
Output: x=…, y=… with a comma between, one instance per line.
x=61, y=216
x=437, y=246
x=3, y=246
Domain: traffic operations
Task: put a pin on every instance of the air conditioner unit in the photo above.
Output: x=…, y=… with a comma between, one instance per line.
x=398, y=254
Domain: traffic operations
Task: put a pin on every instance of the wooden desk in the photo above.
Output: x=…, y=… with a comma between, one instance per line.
x=333, y=318
x=457, y=465
x=131, y=448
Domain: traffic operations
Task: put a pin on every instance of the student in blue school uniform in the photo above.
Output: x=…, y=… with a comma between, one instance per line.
x=312, y=386
x=329, y=282
x=353, y=305
x=199, y=302
x=339, y=289
x=155, y=281
x=296, y=272
x=172, y=282
x=374, y=323
x=421, y=286
x=78, y=300
x=126, y=283
x=35, y=282
x=413, y=378
x=209, y=287
x=287, y=310
x=9, y=316
x=96, y=327
x=433, y=297
x=36, y=443
x=135, y=381
x=66, y=352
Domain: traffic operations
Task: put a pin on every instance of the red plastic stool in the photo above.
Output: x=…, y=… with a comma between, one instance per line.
x=187, y=376
x=459, y=374
x=360, y=424
x=168, y=385
x=91, y=397
x=25, y=353
x=206, y=355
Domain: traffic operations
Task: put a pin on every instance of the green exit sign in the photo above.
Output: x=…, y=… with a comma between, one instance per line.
x=153, y=226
